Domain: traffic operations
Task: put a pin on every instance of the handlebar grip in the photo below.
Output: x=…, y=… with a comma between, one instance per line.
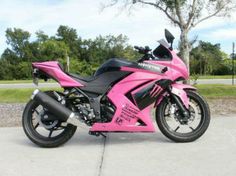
x=147, y=48
x=141, y=50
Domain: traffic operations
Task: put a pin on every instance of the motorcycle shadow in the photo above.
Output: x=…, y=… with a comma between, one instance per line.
x=118, y=138
x=82, y=138
x=131, y=138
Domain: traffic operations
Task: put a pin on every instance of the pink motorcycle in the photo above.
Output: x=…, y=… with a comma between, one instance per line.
x=119, y=97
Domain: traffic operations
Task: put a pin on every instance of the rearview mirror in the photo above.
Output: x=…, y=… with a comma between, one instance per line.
x=169, y=37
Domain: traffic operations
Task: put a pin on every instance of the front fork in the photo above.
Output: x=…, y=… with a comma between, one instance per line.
x=179, y=97
x=178, y=94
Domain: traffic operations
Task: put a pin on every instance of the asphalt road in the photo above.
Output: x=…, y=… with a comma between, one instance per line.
x=216, y=81
x=123, y=154
x=48, y=85
x=28, y=85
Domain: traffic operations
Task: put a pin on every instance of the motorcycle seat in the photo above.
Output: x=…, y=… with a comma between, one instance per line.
x=113, y=64
x=76, y=76
x=82, y=78
x=106, y=74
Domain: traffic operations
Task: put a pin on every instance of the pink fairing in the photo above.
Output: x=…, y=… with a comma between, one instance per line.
x=179, y=90
x=53, y=69
x=127, y=114
x=176, y=67
x=183, y=86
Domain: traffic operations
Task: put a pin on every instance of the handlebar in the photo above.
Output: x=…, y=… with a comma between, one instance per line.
x=147, y=55
x=142, y=50
x=146, y=51
x=137, y=47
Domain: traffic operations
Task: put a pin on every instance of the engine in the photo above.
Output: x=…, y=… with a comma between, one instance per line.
x=81, y=105
x=107, y=110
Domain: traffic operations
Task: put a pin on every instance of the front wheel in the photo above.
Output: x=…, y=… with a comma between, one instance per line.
x=169, y=118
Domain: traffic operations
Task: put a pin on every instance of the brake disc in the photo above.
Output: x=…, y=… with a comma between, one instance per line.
x=193, y=115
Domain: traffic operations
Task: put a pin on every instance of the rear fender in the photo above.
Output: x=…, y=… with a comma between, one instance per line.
x=178, y=90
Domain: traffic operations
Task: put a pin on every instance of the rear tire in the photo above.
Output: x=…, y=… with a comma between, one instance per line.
x=44, y=141
x=172, y=133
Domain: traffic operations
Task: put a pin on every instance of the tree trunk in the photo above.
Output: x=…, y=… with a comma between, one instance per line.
x=185, y=48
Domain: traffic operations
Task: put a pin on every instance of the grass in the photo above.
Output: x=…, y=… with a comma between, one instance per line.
x=17, y=95
x=14, y=81
x=23, y=81
x=217, y=91
x=215, y=77
x=208, y=91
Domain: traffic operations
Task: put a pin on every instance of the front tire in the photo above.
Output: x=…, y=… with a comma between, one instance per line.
x=44, y=133
x=167, y=118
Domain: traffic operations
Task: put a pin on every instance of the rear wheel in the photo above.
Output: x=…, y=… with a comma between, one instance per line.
x=42, y=128
x=170, y=122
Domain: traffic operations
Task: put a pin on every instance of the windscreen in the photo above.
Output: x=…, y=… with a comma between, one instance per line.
x=161, y=52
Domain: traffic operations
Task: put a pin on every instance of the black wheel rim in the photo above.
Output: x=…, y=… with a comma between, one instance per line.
x=39, y=130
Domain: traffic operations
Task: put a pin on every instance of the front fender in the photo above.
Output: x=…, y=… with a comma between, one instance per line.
x=179, y=90
x=183, y=86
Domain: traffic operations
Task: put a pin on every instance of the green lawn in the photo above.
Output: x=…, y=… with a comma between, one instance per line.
x=14, y=81
x=217, y=91
x=208, y=91
x=17, y=95
x=215, y=77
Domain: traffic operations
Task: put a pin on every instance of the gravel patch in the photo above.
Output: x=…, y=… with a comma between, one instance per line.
x=10, y=114
x=222, y=106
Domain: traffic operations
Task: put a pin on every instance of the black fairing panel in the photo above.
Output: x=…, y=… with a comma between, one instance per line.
x=114, y=64
x=144, y=98
x=102, y=82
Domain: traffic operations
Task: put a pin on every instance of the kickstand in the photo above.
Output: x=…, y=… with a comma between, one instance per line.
x=97, y=134
x=103, y=135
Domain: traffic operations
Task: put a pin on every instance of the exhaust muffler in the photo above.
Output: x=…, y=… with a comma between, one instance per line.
x=64, y=114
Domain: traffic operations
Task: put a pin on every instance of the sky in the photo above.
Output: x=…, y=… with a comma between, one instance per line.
x=144, y=26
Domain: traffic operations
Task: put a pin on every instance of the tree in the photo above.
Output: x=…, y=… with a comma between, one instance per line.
x=185, y=14
x=18, y=39
x=105, y=47
x=53, y=50
x=70, y=37
x=67, y=34
x=208, y=59
x=41, y=36
x=85, y=55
